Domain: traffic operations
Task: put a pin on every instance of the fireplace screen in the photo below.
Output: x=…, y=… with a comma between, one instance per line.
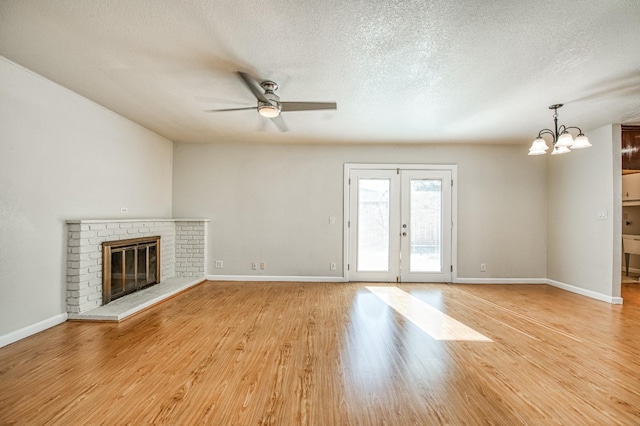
x=129, y=265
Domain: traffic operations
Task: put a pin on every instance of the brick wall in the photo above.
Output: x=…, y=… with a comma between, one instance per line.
x=182, y=249
x=190, y=248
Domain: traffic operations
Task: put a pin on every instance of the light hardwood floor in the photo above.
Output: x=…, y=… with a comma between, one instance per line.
x=229, y=353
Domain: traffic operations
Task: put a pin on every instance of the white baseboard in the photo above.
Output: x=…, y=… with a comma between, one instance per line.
x=343, y=279
x=563, y=286
x=14, y=336
x=634, y=270
x=584, y=292
x=275, y=278
x=499, y=280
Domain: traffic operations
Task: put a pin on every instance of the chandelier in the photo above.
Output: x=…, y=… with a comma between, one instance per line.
x=562, y=140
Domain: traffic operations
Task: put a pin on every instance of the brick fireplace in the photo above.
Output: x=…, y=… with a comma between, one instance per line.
x=129, y=266
x=182, y=253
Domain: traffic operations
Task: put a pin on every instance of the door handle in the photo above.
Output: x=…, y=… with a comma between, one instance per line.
x=404, y=234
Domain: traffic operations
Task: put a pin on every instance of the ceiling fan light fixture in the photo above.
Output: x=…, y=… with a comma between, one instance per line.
x=268, y=111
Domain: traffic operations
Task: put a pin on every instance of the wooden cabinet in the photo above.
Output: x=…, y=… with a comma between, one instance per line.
x=630, y=245
x=631, y=188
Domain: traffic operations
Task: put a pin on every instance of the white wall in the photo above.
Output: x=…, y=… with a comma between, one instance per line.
x=272, y=203
x=583, y=251
x=63, y=157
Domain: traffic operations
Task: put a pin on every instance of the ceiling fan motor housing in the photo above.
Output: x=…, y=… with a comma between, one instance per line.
x=269, y=109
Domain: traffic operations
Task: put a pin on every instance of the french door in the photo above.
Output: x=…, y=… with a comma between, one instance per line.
x=399, y=225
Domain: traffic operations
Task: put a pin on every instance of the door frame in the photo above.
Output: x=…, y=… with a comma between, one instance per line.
x=453, y=168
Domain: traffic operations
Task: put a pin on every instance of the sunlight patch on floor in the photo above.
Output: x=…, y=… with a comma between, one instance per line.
x=436, y=324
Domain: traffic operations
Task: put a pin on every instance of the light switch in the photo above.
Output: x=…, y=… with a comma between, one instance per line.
x=602, y=214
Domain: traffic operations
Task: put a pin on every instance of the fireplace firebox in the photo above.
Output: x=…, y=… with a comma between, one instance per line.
x=129, y=265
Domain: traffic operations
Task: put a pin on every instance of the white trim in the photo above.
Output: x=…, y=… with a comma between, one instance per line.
x=454, y=221
x=344, y=279
x=584, y=292
x=402, y=166
x=500, y=281
x=634, y=270
x=275, y=278
x=90, y=221
x=32, y=329
x=345, y=221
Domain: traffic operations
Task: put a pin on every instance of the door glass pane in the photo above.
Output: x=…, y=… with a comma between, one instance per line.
x=426, y=225
x=373, y=225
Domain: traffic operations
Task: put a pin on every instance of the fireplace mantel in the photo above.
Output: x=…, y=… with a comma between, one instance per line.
x=183, y=252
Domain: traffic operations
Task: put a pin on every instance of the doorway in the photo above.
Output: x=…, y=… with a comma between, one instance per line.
x=400, y=223
x=630, y=147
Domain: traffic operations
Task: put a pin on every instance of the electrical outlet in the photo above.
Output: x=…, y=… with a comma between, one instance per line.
x=332, y=220
x=254, y=265
x=483, y=267
x=219, y=264
x=263, y=265
x=124, y=210
x=332, y=266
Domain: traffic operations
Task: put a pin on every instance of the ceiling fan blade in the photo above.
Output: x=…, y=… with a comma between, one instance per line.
x=279, y=121
x=307, y=106
x=229, y=109
x=251, y=85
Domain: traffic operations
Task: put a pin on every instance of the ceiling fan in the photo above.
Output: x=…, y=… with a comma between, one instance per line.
x=269, y=104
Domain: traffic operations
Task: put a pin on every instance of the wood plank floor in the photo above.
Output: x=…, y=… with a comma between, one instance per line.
x=229, y=353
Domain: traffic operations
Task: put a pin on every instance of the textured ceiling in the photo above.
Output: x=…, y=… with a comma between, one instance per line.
x=400, y=71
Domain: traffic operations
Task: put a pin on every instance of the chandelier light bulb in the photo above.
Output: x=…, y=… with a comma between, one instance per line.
x=565, y=139
x=557, y=150
x=538, y=147
x=581, y=142
x=539, y=144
